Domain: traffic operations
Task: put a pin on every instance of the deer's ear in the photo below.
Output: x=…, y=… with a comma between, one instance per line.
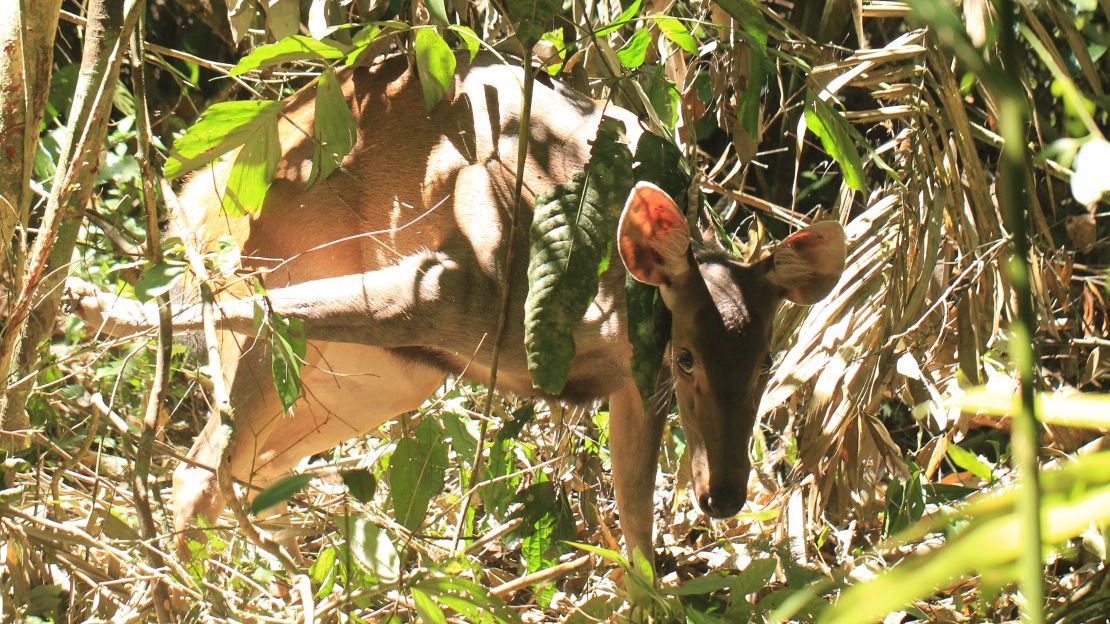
x=808, y=263
x=653, y=236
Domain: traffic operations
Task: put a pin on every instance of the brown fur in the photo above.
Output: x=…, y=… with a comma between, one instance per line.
x=395, y=264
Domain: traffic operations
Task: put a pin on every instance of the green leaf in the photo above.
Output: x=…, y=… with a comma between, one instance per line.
x=674, y=30
x=547, y=522
x=322, y=567
x=289, y=346
x=905, y=503
x=323, y=571
x=755, y=577
x=532, y=18
x=604, y=553
x=971, y=462
x=289, y=49
x=253, y=171
x=362, y=40
x=437, y=12
x=283, y=17
x=835, y=135
x=372, y=548
x=435, y=63
x=706, y=584
x=633, y=52
x=334, y=127
x=360, y=483
x=662, y=93
x=468, y=37
x=570, y=239
x=427, y=608
x=471, y=600
x=748, y=16
x=279, y=492
x=159, y=279
x=220, y=129
x=749, y=127
x=625, y=17
x=416, y=473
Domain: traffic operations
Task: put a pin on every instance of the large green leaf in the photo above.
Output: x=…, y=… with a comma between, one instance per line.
x=334, y=128
x=416, y=473
x=836, y=138
x=571, y=235
x=289, y=49
x=435, y=63
x=253, y=171
x=220, y=129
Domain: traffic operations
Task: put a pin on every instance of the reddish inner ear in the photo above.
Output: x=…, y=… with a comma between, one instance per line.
x=653, y=236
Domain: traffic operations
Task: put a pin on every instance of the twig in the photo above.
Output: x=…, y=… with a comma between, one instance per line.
x=153, y=252
x=503, y=306
x=506, y=589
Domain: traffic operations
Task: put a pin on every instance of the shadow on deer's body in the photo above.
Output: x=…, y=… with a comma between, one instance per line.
x=395, y=265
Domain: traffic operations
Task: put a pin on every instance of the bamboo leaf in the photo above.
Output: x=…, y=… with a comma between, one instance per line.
x=831, y=127
x=436, y=65
x=253, y=171
x=334, y=128
x=289, y=49
x=220, y=129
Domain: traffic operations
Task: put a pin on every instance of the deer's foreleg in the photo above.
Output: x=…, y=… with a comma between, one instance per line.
x=387, y=307
x=634, y=437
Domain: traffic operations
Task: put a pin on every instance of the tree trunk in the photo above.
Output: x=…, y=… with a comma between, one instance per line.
x=27, y=41
x=34, y=310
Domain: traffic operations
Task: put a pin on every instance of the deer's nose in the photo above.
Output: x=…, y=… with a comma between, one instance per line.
x=722, y=502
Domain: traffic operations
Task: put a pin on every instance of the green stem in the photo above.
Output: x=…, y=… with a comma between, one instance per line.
x=1012, y=194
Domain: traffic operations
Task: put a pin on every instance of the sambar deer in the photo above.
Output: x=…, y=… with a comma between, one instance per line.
x=396, y=262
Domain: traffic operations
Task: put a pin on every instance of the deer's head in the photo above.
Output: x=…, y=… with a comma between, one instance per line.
x=722, y=312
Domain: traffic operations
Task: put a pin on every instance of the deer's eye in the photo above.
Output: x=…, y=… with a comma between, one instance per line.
x=685, y=361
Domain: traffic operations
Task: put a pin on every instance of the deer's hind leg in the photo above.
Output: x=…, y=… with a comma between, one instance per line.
x=348, y=390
